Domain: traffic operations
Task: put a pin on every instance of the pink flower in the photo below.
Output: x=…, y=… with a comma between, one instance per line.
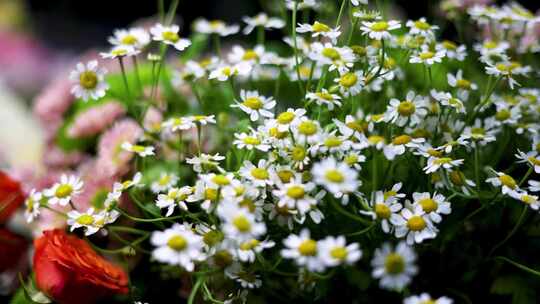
x=152, y=119
x=56, y=157
x=54, y=101
x=112, y=160
x=96, y=119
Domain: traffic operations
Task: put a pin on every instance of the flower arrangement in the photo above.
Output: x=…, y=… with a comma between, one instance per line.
x=361, y=158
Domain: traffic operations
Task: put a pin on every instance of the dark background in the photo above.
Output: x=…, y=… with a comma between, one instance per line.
x=80, y=24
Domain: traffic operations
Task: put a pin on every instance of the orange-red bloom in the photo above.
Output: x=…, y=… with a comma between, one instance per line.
x=69, y=271
x=11, y=196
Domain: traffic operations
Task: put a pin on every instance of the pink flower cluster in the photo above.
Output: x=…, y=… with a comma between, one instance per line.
x=96, y=119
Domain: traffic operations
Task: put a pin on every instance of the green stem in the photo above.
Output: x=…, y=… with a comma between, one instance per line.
x=518, y=265
x=137, y=74
x=368, y=228
x=195, y=289
x=341, y=10
x=124, y=77
x=217, y=44
x=172, y=12
x=143, y=220
x=477, y=164
x=355, y=217
x=260, y=35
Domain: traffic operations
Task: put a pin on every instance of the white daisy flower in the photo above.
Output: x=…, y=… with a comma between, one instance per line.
x=332, y=143
x=446, y=99
x=286, y=119
x=262, y=20
x=224, y=72
x=532, y=158
x=307, y=131
x=174, y=197
x=89, y=81
x=435, y=163
x=32, y=205
x=415, y=225
x=247, y=279
x=178, y=124
x=247, y=250
x=353, y=125
x=304, y=250
x=295, y=194
x=178, y=245
x=142, y=151
x=453, y=51
x=206, y=162
x=410, y=111
x=508, y=70
x=62, y=192
x=358, y=2
x=169, y=35
x=350, y=83
x=482, y=132
x=323, y=97
x=120, y=51
x=354, y=159
x=422, y=28
x=385, y=209
x=340, y=58
x=534, y=186
x=255, y=105
x=380, y=29
x=319, y=29
x=87, y=220
x=215, y=27
x=203, y=119
x=336, y=177
x=164, y=183
x=239, y=54
x=426, y=298
x=433, y=205
x=125, y=185
x=507, y=183
x=395, y=267
x=459, y=180
x=134, y=37
x=531, y=200
x=427, y=56
x=238, y=223
x=260, y=175
x=399, y=144
x=334, y=251
x=255, y=140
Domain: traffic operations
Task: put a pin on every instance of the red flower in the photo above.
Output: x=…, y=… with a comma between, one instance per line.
x=69, y=271
x=12, y=247
x=11, y=196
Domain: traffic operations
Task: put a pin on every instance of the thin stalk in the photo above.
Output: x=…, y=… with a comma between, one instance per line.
x=260, y=35
x=195, y=289
x=172, y=12
x=341, y=10
x=513, y=231
x=137, y=74
x=124, y=77
x=297, y=64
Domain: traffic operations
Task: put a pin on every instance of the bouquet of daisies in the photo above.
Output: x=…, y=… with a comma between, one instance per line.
x=360, y=158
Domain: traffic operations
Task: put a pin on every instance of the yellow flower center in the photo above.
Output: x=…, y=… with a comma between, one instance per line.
x=375, y=139
x=63, y=191
x=242, y=223
x=250, y=55
x=260, y=173
x=254, y=103
x=382, y=211
x=227, y=71
x=428, y=205
x=401, y=140
x=170, y=36
x=85, y=219
x=210, y=194
x=285, y=175
x=307, y=128
x=406, y=108
x=331, y=53
x=252, y=141
x=502, y=115
x=508, y=181
x=426, y=55
x=274, y=132
x=249, y=245
x=296, y=192
x=351, y=159
x=325, y=96
x=394, y=264
x=138, y=148
x=212, y=237
x=332, y=142
x=129, y=40
x=416, y=223
x=308, y=248
x=449, y=45
x=422, y=25
x=348, y=80
x=248, y=204
x=221, y=180
x=320, y=27
x=298, y=153
x=533, y=160
x=177, y=243
x=456, y=177
x=380, y=26
x=442, y=160
x=463, y=84
x=339, y=253
x=357, y=126
x=285, y=117
x=334, y=176
x=164, y=180
x=88, y=80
